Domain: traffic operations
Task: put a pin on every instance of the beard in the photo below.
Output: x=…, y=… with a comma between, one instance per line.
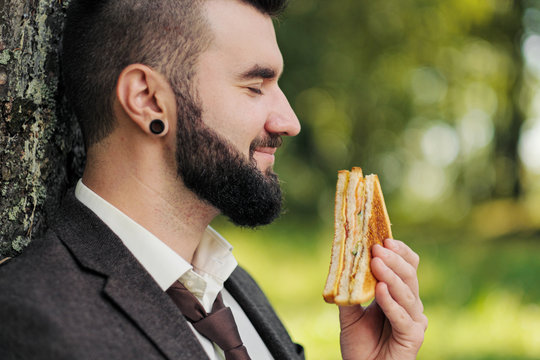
x=218, y=173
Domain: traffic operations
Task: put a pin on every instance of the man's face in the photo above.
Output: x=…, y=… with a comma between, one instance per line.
x=237, y=79
x=226, y=145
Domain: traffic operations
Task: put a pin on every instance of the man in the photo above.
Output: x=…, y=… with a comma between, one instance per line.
x=181, y=114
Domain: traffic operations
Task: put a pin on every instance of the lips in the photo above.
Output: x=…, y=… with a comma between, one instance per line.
x=263, y=149
x=266, y=150
x=264, y=157
x=271, y=141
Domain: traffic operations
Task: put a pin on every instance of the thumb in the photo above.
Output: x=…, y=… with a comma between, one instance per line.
x=349, y=315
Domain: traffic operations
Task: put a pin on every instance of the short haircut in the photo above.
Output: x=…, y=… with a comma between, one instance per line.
x=102, y=37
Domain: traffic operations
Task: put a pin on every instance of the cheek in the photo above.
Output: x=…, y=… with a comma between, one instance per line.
x=238, y=121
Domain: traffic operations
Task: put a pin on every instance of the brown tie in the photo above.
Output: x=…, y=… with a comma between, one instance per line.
x=218, y=326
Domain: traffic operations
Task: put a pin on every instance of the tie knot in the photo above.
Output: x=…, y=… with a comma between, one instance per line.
x=218, y=326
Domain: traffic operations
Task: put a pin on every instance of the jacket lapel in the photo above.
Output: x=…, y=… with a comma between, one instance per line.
x=256, y=306
x=128, y=285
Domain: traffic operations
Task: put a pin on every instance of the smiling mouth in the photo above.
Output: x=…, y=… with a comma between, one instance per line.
x=264, y=157
x=266, y=144
x=266, y=150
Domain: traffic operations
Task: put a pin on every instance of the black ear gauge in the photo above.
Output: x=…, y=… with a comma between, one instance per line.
x=157, y=126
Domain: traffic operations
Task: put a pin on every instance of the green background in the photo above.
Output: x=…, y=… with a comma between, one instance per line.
x=440, y=98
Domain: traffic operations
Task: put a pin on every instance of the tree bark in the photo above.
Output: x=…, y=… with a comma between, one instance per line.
x=39, y=141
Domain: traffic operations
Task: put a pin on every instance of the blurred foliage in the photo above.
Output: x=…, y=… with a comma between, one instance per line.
x=441, y=98
x=480, y=294
x=427, y=94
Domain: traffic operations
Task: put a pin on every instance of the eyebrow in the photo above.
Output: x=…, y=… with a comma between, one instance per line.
x=258, y=72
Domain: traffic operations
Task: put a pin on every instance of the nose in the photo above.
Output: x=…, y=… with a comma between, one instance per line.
x=282, y=120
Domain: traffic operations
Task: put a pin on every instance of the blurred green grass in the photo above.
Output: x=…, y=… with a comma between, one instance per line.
x=481, y=294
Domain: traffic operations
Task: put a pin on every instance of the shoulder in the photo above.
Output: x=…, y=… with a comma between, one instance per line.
x=241, y=275
x=45, y=268
x=26, y=283
x=46, y=251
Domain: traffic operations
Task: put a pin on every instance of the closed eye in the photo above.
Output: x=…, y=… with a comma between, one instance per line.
x=255, y=90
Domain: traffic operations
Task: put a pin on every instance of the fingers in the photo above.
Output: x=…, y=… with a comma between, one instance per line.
x=399, y=290
x=395, y=266
x=399, y=318
x=400, y=265
x=400, y=248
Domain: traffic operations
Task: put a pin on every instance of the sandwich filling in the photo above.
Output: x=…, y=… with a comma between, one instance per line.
x=362, y=264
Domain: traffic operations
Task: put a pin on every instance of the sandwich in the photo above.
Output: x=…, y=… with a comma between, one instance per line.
x=360, y=221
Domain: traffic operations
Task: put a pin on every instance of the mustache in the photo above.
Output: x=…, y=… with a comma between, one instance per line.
x=271, y=140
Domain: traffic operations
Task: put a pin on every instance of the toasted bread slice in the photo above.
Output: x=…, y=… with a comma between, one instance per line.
x=340, y=234
x=376, y=228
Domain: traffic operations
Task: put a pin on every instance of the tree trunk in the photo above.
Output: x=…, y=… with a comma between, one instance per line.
x=38, y=138
x=507, y=163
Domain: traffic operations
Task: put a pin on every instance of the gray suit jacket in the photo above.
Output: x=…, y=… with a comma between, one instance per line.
x=78, y=293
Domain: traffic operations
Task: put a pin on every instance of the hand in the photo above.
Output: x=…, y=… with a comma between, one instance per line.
x=393, y=325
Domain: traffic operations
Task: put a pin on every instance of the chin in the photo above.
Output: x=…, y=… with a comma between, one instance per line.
x=267, y=170
x=264, y=167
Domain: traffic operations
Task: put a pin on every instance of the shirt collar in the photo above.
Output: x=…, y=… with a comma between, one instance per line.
x=213, y=259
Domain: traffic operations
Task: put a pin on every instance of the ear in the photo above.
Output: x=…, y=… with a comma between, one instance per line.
x=145, y=95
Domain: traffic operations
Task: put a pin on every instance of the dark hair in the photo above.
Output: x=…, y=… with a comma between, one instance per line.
x=102, y=37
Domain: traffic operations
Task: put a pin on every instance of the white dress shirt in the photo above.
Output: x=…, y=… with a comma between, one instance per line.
x=213, y=262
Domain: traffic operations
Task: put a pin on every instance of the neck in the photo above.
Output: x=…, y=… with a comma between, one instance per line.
x=160, y=203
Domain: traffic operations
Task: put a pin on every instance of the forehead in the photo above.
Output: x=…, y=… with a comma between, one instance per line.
x=242, y=36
